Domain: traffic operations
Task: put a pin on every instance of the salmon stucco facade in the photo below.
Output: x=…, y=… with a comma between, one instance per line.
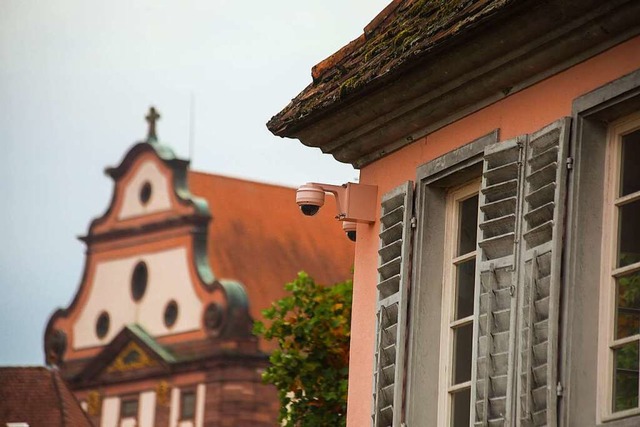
x=500, y=284
x=177, y=269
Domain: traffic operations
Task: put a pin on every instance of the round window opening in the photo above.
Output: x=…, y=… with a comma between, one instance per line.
x=213, y=316
x=145, y=193
x=102, y=325
x=139, y=281
x=171, y=314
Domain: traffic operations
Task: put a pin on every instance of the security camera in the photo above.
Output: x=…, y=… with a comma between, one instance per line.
x=354, y=202
x=310, y=198
x=349, y=227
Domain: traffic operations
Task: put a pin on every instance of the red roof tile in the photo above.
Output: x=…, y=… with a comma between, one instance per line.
x=38, y=396
x=259, y=237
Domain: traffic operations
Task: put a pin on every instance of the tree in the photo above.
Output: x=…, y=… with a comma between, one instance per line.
x=311, y=365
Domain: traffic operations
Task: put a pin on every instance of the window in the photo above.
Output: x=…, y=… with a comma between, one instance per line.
x=599, y=236
x=486, y=285
x=447, y=194
x=170, y=313
x=102, y=325
x=621, y=267
x=187, y=404
x=145, y=193
x=458, y=305
x=128, y=408
x=139, y=281
x=213, y=317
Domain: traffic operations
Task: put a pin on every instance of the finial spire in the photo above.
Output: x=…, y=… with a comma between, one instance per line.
x=152, y=118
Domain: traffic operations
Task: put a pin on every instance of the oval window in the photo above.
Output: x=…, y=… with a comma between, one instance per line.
x=139, y=281
x=171, y=314
x=213, y=316
x=145, y=193
x=102, y=325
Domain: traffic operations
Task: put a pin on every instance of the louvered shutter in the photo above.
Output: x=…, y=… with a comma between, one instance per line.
x=496, y=281
x=391, y=310
x=541, y=248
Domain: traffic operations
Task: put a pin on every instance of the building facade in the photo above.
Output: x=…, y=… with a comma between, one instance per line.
x=176, y=271
x=499, y=286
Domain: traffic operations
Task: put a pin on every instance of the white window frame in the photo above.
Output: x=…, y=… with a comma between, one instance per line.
x=606, y=337
x=449, y=280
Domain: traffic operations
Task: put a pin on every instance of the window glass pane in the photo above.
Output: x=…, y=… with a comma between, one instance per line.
x=630, y=173
x=626, y=377
x=468, y=225
x=628, y=305
x=629, y=229
x=129, y=408
x=461, y=408
x=462, y=339
x=465, y=288
x=187, y=404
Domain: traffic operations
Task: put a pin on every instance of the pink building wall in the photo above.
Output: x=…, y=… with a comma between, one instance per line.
x=520, y=113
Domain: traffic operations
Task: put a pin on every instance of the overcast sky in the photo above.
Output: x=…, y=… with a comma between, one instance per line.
x=76, y=80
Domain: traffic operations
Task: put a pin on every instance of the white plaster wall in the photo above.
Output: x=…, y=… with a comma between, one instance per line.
x=174, y=410
x=168, y=279
x=110, y=412
x=160, y=199
x=147, y=409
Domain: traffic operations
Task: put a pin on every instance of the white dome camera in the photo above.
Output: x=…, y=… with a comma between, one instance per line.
x=349, y=227
x=310, y=198
x=354, y=202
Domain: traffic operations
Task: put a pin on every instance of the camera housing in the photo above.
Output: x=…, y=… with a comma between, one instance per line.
x=349, y=228
x=355, y=203
x=310, y=198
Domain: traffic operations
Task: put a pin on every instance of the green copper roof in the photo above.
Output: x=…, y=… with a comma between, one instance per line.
x=148, y=340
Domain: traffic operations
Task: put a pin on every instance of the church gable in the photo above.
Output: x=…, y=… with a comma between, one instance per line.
x=150, y=189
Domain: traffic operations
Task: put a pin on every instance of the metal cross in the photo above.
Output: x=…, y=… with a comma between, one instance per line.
x=152, y=118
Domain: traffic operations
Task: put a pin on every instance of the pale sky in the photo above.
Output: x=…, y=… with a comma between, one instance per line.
x=76, y=80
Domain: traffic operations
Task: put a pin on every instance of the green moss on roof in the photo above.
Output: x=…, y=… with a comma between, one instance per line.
x=407, y=33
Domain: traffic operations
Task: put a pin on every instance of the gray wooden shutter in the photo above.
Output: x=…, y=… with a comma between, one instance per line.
x=496, y=282
x=541, y=249
x=391, y=308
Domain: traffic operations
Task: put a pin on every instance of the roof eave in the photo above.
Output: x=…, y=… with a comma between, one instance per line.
x=467, y=72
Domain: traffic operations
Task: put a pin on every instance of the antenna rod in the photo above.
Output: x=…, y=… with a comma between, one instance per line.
x=192, y=125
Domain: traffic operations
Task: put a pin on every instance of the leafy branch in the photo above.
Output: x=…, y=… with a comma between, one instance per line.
x=311, y=365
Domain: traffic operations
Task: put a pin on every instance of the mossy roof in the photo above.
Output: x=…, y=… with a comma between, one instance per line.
x=405, y=32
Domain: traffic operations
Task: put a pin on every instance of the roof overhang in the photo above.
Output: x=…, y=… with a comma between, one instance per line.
x=516, y=48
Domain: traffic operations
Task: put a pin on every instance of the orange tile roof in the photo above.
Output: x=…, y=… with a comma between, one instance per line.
x=259, y=237
x=39, y=397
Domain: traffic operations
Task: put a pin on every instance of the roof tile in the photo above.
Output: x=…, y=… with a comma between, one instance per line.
x=259, y=237
x=404, y=32
x=39, y=397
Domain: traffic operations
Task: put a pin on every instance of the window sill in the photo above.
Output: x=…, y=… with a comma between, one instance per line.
x=620, y=415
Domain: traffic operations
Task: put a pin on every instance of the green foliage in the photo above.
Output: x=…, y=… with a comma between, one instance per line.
x=311, y=364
